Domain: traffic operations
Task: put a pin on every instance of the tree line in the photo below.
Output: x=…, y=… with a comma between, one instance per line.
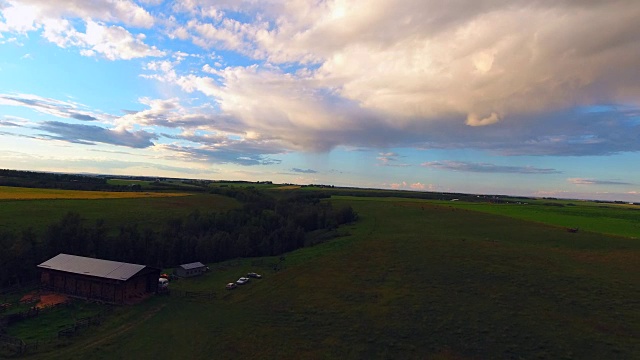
x=45, y=180
x=264, y=226
x=32, y=179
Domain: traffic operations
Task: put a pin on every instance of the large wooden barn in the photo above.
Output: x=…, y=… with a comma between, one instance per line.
x=104, y=280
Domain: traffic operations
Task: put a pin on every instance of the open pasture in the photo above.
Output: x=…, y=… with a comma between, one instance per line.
x=172, y=184
x=244, y=184
x=129, y=182
x=17, y=193
x=46, y=326
x=615, y=219
x=604, y=218
x=144, y=211
x=412, y=281
x=287, y=187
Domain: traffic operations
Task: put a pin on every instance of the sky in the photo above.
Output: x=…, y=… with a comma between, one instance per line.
x=532, y=98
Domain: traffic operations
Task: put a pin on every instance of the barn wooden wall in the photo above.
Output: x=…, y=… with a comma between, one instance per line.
x=108, y=290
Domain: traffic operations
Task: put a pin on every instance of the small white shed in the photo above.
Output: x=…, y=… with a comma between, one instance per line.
x=191, y=269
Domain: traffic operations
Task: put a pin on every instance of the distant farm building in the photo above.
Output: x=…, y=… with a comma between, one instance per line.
x=109, y=281
x=191, y=269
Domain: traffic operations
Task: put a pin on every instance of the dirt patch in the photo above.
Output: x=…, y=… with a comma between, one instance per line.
x=47, y=300
x=31, y=297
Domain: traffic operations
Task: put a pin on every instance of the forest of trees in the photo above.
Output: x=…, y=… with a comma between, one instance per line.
x=34, y=179
x=45, y=180
x=263, y=226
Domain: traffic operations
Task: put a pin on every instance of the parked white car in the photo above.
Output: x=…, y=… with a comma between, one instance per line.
x=163, y=283
x=242, y=281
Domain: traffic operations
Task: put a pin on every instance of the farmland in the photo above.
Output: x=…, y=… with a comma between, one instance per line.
x=38, y=208
x=410, y=279
x=17, y=193
x=245, y=184
x=129, y=182
x=605, y=218
x=612, y=219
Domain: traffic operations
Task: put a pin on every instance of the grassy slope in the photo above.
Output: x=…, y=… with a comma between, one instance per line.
x=261, y=186
x=603, y=218
x=20, y=214
x=18, y=193
x=142, y=183
x=50, y=322
x=151, y=184
x=612, y=219
x=412, y=281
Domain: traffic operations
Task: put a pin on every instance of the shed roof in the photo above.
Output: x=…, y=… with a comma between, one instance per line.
x=92, y=267
x=193, y=265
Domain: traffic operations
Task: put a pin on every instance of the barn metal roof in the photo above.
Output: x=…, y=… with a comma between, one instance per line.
x=193, y=265
x=92, y=267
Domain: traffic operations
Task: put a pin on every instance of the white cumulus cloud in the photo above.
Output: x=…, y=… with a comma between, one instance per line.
x=111, y=42
x=22, y=14
x=56, y=19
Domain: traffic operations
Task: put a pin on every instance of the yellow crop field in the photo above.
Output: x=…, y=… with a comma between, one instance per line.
x=17, y=193
x=288, y=187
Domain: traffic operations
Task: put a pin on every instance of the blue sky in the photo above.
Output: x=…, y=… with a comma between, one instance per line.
x=525, y=99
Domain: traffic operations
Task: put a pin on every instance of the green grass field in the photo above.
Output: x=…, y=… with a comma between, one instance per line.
x=146, y=211
x=18, y=193
x=127, y=182
x=412, y=280
x=50, y=322
x=612, y=219
x=244, y=185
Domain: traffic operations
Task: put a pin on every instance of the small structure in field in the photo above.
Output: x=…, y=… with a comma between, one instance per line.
x=109, y=281
x=191, y=269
